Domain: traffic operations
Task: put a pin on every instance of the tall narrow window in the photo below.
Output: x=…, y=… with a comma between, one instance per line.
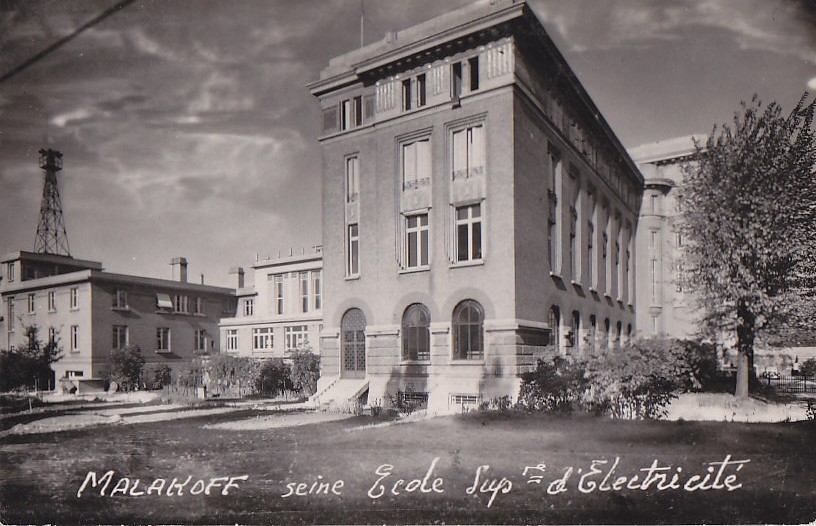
x=469, y=233
x=575, y=330
x=652, y=239
x=630, y=270
x=200, y=340
x=304, y=291
x=353, y=255
x=120, y=299
x=120, y=337
x=52, y=301
x=163, y=339
x=198, y=305
x=591, y=253
x=346, y=114
x=416, y=164
x=554, y=321
x=421, y=87
x=416, y=231
x=352, y=327
x=11, y=314
x=592, y=332
x=317, y=290
x=406, y=94
x=654, y=324
x=468, y=329
x=554, y=214
x=74, y=298
x=249, y=307
x=278, y=294
x=653, y=282
x=357, y=103
x=232, y=339
x=473, y=69
x=607, y=262
x=468, y=152
x=352, y=179
x=416, y=336
x=31, y=303
x=74, y=338
x=10, y=271
x=181, y=303
x=456, y=81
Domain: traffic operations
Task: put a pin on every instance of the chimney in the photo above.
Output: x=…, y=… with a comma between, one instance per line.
x=239, y=272
x=179, y=269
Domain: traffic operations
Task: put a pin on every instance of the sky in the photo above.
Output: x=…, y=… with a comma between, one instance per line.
x=187, y=129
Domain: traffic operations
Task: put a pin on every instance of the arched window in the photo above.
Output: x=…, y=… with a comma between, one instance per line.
x=468, y=327
x=575, y=329
x=618, y=332
x=416, y=336
x=554, y=320
x=353, y=327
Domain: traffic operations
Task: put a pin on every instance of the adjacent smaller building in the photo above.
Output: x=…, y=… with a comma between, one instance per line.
x=92, y=312
x=283, y=310
x=663, y=306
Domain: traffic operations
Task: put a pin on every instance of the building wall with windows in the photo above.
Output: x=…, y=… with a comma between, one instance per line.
x=281, y=312
x=452, y=202
x=664, y=309
x=93, y=311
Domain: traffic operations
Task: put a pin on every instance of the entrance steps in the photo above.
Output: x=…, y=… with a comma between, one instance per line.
x=339, y=393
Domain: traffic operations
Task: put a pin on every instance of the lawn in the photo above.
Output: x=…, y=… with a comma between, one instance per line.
x=700, y=472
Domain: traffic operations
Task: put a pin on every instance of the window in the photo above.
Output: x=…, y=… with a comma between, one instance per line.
x=618, y=275
x=249, y=307
x=607, y=263
x=473, y=69
x=679, y=278
x=52, y=335
x=554, y=213
x=575, y=330
x=421, y=94
x=456, y=81
x=74, y=374
x=652, y=239
x=406, y=94
x=200, y=340
x=163, y=302
x=304, y=291
x=606, y=334
x=31, y=303
x=317, y=289
x=120, y=299
x=74, y=343
x=232, y=339
x=351, y=113
x=575, y=230
x=74, y=295
x=353, y=255
x=679, y=239
x=278, y=294
x=262, y=339
x=554, y=321
x=120, y=337
x=591, y=253
x=618, y=333
x=416, y=335
x=162, y=339
x=352, y=179
x=653, y=282
x=469, y=233
x=468, y=152
x=416, y=230
x=591, y=333
x=181, y=303
x=198, y=305
x=10, y=272
x=468, y=328
x=653, y=203
x=416, y=164
x=296, y=336
x=52, y=301
x=11, y=314
x=654, y=324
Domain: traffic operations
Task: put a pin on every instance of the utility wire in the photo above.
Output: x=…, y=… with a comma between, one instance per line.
x=59, y=43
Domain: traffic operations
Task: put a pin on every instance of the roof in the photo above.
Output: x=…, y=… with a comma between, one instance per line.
x=666, y=149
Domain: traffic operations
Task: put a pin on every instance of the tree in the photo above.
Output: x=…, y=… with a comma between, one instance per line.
x=30, y=365
x=749, y=214
x=125, y=366
x=305, y=371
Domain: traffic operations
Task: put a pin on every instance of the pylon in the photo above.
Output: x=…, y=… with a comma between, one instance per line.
x=51, y=235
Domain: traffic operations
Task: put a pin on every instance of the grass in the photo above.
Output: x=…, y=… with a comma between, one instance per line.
x=42, y=473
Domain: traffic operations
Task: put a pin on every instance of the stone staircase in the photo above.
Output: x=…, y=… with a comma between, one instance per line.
x=339, y=393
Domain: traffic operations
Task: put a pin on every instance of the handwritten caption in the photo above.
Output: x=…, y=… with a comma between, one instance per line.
x=603, y=475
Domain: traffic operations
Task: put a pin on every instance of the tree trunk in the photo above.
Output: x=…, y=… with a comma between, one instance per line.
x=745, y=348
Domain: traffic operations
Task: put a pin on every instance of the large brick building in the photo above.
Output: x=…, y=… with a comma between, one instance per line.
x=477, y=211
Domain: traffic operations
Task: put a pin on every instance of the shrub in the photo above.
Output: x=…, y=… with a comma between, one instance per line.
x=808, y=367
x=30, y=366
x=273, y=377
x=230, y=375
x=555, y=386
x=305, y=371
x=155, y=376
x=125, y=367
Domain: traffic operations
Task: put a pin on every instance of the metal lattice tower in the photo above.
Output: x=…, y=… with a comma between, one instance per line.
x=51, y=235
